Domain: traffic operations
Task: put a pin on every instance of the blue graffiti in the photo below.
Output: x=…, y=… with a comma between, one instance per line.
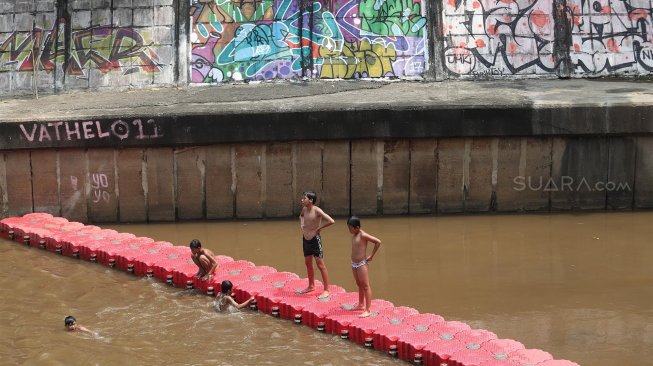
x=263, y=44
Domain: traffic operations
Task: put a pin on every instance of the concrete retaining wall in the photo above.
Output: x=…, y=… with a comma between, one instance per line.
x=365, y=177
x=49, y=46
x=468, y=39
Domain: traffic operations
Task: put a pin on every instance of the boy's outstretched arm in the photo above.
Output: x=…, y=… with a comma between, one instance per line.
x=245, y=303
x=85, y=330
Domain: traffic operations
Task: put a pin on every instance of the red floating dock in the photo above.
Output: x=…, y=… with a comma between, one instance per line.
x=399, y=331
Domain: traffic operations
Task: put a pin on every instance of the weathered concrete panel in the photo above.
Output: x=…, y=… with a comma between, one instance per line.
x=396, y=176
x=278, y=180
x=219, y=182
x=644, y=173
x=524, y=168
x=335, y=178
x=249, y=181
x=189, y=165
x=45, y=190
x=160, y=193
x=536, y=164
x=102, y=201
x=478, y=179
x=509, y=155
x=19, y=183
x=423, y=176
x=560, y=199
x=73, y=183
x=132, y=202
x=3, y=184
x=366, y=164
x=591, y=158
x=308, y=172
x=622, y=157
x=451, y=154
x=579, y=169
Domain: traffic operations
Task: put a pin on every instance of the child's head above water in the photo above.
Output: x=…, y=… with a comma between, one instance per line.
x=70, y=322
x=225, y=287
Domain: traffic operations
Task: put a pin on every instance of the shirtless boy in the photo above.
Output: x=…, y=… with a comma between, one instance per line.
x=310, y=221
x=204, y=259
x=71, y=325
x=359, y=262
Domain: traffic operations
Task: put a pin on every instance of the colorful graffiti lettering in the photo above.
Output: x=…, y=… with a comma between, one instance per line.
x=289, y=39
x=363, y=59
x=105, y=48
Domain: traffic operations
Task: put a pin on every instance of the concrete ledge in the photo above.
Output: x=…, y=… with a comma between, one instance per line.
x=327, y=111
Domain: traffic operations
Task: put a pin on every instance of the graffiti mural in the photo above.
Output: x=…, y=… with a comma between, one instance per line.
x=280, y=39
x=494, y=38
x=105, y=48
x=610, y=36
x=500, y=38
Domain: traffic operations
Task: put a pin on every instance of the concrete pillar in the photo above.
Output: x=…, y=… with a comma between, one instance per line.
x=278, y=182
x=423, y=176
x=189, y=173
x=366, y=170
x=160, y=189
x=220, y=182
x=562, y=38
x=435, y=39
x=249, y=180
x=335, y=178
x=102, y=200
x=131, y=185
x=396, y=176
x=183, y=49
x=45, y=181
x=73, y=183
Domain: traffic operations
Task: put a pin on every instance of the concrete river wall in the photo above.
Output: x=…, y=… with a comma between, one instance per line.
x=54, y=46
x=365, y=177
x=215, y=159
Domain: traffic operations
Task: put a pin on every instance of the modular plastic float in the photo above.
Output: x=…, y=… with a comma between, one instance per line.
x=400, y=331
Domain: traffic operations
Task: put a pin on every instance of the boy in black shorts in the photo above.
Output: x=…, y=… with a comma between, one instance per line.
x=311, y=223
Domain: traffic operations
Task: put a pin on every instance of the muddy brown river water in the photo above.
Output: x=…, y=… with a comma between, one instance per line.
x=579, y=286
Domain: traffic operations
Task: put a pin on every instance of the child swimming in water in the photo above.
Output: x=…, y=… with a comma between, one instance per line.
x=71, y=325
x=225, y=301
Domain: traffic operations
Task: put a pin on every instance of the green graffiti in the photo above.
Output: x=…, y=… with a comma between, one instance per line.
x=391, y=17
